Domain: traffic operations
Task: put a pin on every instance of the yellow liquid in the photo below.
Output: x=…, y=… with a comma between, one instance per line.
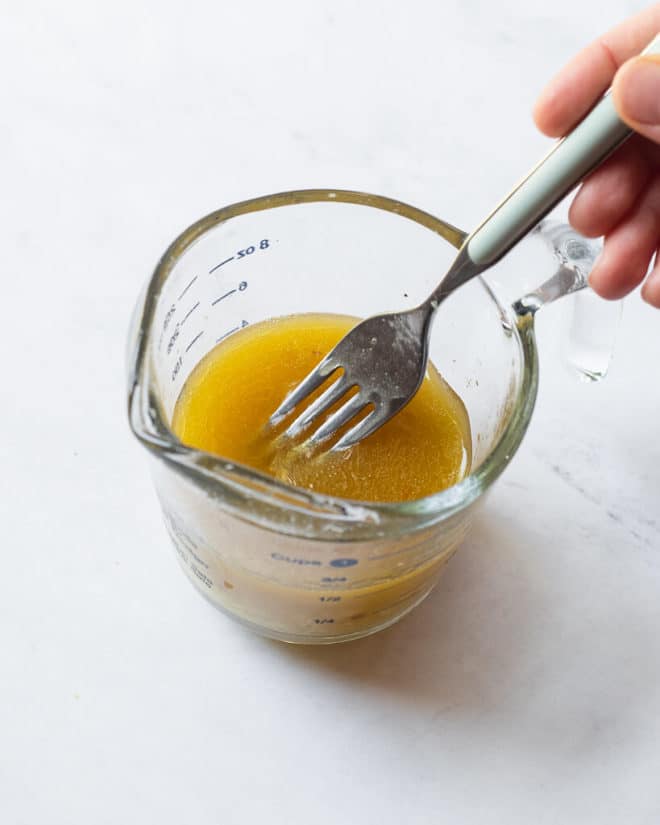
x=227, y=400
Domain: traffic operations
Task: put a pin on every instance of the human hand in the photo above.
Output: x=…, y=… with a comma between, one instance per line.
x=621, y=199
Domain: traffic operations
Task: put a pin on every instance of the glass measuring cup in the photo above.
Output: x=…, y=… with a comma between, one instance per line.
x=288, y=563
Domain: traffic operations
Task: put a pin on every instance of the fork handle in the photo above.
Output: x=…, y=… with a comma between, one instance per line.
x=567, y=163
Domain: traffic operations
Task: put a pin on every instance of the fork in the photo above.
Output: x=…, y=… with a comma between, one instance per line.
x=383, y=358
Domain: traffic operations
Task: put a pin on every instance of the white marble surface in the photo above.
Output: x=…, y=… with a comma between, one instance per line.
x=527, y=688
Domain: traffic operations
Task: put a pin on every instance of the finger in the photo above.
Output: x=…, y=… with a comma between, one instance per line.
x=636, y=95
x=651, y=288
x=628, y=248
x=607, y=195
x=570, y=95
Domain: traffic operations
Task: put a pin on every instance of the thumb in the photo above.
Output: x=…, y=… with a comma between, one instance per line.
x=636, y=95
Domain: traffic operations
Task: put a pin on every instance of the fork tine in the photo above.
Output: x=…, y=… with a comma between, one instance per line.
x=306, y=387
x=318, y=406
x=342, y=416
x=361, y=430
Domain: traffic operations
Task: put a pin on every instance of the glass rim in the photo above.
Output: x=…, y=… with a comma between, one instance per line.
x=260, y=499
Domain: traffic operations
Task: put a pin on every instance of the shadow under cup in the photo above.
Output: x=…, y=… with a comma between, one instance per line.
x=288, y=563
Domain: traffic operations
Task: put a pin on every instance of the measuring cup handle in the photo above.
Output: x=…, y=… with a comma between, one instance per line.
x=592, y=323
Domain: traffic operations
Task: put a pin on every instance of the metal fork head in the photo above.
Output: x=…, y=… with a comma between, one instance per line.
x=380, y=364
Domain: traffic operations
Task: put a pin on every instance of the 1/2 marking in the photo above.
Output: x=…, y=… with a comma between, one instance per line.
x=222, y=297
x=194, y=340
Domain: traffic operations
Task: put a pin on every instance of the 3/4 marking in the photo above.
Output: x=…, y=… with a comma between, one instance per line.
x=187, y=288
x=189, y=313
x=194, y=340
x=222, y=263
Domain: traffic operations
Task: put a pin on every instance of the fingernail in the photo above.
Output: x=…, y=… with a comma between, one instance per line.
x=638, y=90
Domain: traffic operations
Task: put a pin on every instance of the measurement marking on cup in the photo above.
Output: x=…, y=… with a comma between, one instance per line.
x=194, y=340
x=177, y=367
x=168, y=317
x=295, y=560
x=240, y=288
x=187, y=288
x=166, y=323
x=189, y=313
x=172, y=341
x=222, y=297
x=264, y=243
x=231, y=331
x=222, y=263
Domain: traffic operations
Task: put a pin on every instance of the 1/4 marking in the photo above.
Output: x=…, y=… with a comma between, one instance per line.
x=242, y=325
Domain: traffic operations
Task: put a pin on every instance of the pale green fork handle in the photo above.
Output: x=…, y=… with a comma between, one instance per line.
x=570, y=160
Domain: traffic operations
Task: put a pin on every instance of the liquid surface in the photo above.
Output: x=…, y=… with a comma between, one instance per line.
x=227, y=400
